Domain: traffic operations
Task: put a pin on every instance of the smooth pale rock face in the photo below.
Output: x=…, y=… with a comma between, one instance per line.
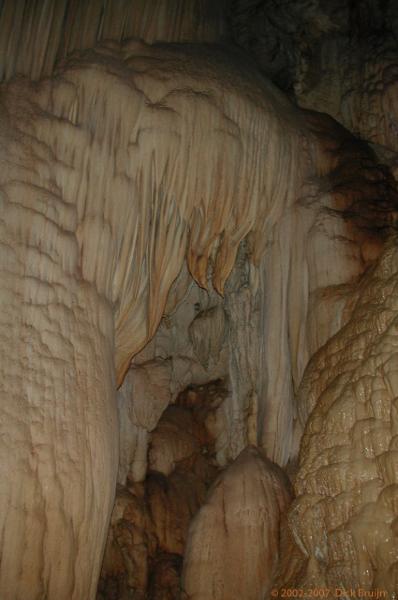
x=233, y=544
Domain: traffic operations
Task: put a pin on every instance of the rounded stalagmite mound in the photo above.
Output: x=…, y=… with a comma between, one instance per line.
x=232, y=549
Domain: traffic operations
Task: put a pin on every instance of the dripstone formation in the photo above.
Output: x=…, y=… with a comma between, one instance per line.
x=198, y=291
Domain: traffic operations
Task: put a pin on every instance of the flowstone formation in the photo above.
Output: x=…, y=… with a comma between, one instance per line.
x=347, y=480
x=198, y=322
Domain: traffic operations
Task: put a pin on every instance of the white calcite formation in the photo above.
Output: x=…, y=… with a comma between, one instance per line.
x=169, y=218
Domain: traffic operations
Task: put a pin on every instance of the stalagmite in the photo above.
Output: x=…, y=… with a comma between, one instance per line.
x=171, y=220
x=233, y=543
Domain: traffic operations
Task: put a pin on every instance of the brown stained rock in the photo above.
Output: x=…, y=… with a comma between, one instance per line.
x=182, y=469
x=182, y=433
x=207, y=333
x=165, y=582
x=130, y=543
x=172, y=502
x=233, y=544
x=178, y=436
x=203, y=398
x=150, y=521
x=335, y=57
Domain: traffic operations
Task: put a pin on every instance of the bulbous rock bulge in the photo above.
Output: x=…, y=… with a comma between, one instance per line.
x=346, y=513
x=233, y=543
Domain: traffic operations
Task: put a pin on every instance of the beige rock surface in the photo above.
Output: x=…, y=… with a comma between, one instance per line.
x=125, y=169
x=233, y=544
x=141, y=401
x=85, y=279
x=344, y=516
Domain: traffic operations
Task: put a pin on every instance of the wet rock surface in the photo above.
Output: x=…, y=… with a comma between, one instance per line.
x=234, y=540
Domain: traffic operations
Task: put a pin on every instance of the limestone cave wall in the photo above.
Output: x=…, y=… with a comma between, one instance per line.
x=231, y=169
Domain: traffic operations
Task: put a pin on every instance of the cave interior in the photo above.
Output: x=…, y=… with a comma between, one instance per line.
x=198, y=238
